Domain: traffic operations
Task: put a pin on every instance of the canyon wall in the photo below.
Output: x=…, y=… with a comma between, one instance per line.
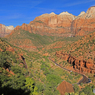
x=50, y=24
x=81, y=65
x=64, y=24
x=84, y=23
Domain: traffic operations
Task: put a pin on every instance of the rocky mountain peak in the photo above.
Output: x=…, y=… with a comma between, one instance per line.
x=91, y=9
x=10, y=27
x=5, y=30
x=47, y=15
x=63, y=23
x=65, y=13
x=44, y=15
x=52, y=13
x=91, y=12
x=81, y=13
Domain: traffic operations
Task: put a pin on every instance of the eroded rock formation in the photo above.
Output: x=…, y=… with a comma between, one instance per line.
x=84, y=23
x=64, y=24
x=81, y=65
x=50, y=24
x=5, y=30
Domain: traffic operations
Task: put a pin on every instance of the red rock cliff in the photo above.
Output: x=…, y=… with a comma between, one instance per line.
x=81, y=65
x=84, y=23
x=64, y=24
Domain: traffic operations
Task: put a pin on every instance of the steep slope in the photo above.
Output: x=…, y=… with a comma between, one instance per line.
x=14, y=76
x=81, y=54
x=64, y=24
x=5, y=30
x=50, y=24
x=84, y=23
x=64, y=19
x=29, y=41
x=18, y=80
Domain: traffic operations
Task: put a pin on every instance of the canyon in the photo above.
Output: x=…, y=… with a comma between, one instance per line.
x=65, y=25
x=44, y=50
x=81, y=65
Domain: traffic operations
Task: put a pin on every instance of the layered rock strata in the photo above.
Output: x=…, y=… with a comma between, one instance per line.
x=50, y=24
x=64, y=24
x=5, y=30
x=84, y=23
x=81, y=65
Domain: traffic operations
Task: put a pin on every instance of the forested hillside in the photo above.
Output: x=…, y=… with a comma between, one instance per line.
x=14, y=77
x=41, y=76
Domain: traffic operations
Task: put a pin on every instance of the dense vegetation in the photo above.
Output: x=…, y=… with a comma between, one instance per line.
x=22, y=37
x=42, y=76
x=87, y=90
x=13, y=79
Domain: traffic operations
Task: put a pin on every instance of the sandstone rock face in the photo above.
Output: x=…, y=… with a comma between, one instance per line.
x=50, y=24
x=64, y=19
x=5, y=30
x=64, y=24
x=84, y=23
x=81, y=65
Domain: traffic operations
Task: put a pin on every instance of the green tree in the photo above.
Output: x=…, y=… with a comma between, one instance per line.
x=53, y=79
x=76, y=88
x=83, y=93
x=31, y=86
x=88, y=90
x=66, y=93
x=4, y=60
x=40, y=87
x=17, y=81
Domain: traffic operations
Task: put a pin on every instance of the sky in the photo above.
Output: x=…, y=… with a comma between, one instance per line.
x=17, y=12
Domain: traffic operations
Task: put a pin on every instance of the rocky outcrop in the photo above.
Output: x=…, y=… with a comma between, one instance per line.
x=5, y=30
x=65, y=87
x=10, y=49
x=50, y=24
x=24, y=62
x=64, y=24
x=81, y=65
x=84, y=23
x=64, y=19
x=25, y=27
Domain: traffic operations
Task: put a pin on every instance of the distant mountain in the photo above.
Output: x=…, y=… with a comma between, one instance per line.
x=48, y=28
x=5, y=30
x=64, y=24
x=84, y=23
x=50, y=24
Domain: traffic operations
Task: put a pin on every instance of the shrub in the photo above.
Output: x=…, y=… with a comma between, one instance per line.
x=76, y=88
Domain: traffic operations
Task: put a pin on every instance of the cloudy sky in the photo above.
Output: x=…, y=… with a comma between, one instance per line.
x=17, y=12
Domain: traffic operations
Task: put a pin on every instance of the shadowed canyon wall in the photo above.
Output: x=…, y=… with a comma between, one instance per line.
x=81, y=65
